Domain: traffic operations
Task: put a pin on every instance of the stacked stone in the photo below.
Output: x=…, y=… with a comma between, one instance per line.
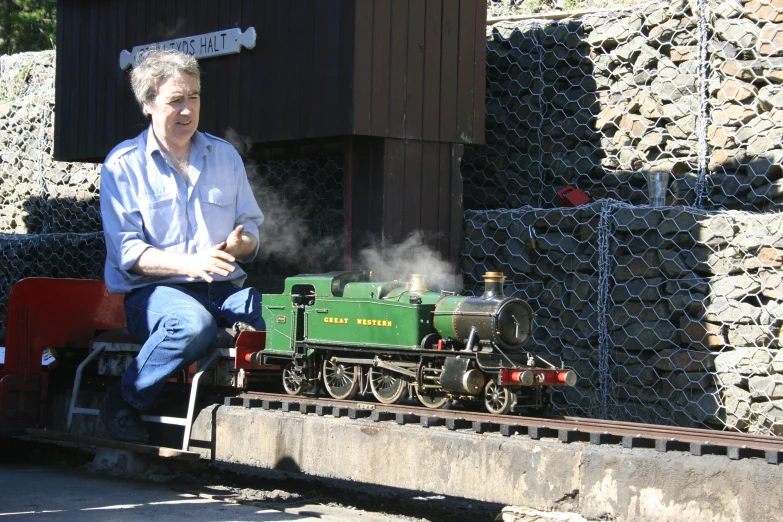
x=538, y=116
x=549, y=258
x=37, y=194
x=646, y=66
x=693, y=316
x=601, y=101
x=746, y=104
x=497, y=176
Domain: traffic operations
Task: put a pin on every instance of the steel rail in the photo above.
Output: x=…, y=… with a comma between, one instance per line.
x=567, y=429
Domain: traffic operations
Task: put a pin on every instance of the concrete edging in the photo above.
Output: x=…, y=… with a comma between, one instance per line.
x=595, y=481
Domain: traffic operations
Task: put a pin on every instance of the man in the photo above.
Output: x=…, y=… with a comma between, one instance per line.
x=178, y=213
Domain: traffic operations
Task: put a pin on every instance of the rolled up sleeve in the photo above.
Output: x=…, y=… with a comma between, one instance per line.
x=122, y=224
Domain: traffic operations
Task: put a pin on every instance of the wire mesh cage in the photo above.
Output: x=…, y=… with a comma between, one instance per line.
x=662, y=286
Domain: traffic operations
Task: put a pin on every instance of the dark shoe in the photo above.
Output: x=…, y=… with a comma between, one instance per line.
x=240, y=327
x=124, y=423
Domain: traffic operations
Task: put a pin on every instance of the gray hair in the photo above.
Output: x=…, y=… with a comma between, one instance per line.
x=153, y=65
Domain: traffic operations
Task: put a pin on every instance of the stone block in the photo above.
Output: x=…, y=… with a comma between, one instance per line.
x=744, y=361
x=770, y=41
x=659, y=335
x=776, y=366
x=730, y=115
x=736, y=286
x=700, y=335
x=750, y=335
x=767, y=418
x=632, y=311
x=772, y=283
x=642, y=265
x=734, y=90
x=766, y=387
x=764, y=10
x=771, y=97
x=737, y=403
x=740, y=31
x=681, y=381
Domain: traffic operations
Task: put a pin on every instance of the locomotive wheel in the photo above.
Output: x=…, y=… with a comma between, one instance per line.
x=292, y=379
x=432, y=398
x=341, y=380
x=387, y=386
x=497, y=399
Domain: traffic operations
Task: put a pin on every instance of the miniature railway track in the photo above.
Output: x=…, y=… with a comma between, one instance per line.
x=566, y=429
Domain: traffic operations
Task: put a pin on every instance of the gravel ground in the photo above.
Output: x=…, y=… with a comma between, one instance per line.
x=263, y=488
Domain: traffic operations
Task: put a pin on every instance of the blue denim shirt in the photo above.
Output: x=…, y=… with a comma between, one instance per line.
x=146, y=203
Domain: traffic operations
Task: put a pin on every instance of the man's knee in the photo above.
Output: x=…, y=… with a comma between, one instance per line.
x=197, y=332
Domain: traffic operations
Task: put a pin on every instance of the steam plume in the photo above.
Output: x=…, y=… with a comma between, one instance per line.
x=412, y=256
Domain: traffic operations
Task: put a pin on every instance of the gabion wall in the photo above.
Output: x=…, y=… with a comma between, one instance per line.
x=50, y=224
x=49, y=214
x=670, y=315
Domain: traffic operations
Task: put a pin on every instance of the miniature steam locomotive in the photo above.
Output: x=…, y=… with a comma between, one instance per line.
x=347, y=333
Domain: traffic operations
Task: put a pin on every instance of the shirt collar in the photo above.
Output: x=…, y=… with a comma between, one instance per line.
x=198, y=143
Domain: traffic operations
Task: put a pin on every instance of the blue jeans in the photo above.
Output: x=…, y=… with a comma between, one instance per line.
x=178, y=324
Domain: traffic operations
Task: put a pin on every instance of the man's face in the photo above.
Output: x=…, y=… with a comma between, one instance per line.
x=175, y=109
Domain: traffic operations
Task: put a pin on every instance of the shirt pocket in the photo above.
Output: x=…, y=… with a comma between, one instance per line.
x=219, y=208
x=162, y=224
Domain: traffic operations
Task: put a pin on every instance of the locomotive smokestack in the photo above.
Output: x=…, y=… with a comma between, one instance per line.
x=417, y=283
x=493, y=285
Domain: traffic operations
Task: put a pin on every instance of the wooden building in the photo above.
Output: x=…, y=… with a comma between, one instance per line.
x=397, y=84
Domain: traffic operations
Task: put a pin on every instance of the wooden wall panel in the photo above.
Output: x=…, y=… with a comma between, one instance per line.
x=449, y=82
x=263, y=114
x=466, y=71
x=416, y=197
x=396, y=187
x=414, y=72
x=407, y=69
x=362, y=67
x=212, y=79
x=364, y=172
x=395, y=190
x=398, y=57
x=431, y=105
x=71, y=73
x=297, y=83
x=59, y=106
x=343, y=113
x=89, y=132
x=246, y=94
x=381, y=43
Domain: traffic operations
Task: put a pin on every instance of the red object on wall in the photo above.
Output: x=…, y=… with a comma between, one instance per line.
x=572, y=197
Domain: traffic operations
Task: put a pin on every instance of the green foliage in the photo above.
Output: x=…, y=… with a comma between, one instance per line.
x=11, y=90
x=515, y=7
x=27, y=25
x=572, y=5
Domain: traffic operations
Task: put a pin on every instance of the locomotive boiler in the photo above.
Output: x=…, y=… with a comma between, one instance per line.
x=396, y=339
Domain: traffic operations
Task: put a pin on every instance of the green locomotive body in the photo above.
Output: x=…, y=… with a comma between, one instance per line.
x=346, y=332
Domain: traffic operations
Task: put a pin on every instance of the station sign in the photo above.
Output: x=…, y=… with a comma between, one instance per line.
x=206, y=45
